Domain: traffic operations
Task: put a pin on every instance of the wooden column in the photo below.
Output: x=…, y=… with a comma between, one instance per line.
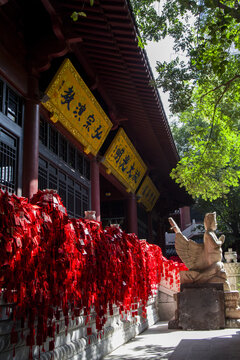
x=95, y=189
x=132, y=215
x=31, y=139
x=185, y=217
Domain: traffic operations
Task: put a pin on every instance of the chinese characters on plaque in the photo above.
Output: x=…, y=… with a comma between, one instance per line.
x=148, y=193
x=74, y=106
x=124, y=162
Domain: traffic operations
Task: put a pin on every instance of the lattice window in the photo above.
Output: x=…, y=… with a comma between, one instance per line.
x=13, y=106
x=52, y=177
x=53, y=140
x=60, y=146
x=63, y=147
x=43, y=132
x=1, y=95
x=73, y=194
x=43, y=174
x=87, y=169
x=71, y=156
x=62, y=187
x=8, y=161
x=80, y=164
x=78, y=201
x=85, y=202
x=71, y=200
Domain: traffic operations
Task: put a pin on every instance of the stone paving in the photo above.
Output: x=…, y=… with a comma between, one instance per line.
x=160, y=343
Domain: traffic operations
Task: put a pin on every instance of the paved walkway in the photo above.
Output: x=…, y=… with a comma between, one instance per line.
x=160, y=343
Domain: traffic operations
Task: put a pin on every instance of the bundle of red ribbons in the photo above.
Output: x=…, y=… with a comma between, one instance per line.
x=52, y=263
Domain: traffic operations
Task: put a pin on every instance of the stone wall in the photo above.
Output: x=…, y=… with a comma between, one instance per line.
x=75, y=343
x=166, y=304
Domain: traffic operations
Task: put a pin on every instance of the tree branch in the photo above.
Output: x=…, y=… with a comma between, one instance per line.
x=227, y=84
x=235, y=13
x=213, y=117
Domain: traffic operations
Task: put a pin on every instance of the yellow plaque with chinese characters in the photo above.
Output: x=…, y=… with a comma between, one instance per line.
x=123, y=160
x=72, y=104
x=148, y=193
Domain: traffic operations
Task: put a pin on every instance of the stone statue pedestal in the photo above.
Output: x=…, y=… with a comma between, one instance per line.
x=206, y=277
x=199, y=307
x=205, y=301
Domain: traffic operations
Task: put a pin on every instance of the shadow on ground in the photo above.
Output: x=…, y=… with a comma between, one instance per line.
x=226, y=347
x=146, y=352
x=223, y=347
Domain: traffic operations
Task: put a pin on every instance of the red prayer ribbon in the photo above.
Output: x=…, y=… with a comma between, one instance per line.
x=51, y=263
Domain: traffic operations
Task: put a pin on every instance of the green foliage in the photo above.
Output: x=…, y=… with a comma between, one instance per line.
x=210, y=163
x=228, y=218
x=141, y=42
x=207, y=31
x=75, y=15
x=204, y=88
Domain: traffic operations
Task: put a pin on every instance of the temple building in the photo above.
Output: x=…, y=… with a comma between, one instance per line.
x=78, y=114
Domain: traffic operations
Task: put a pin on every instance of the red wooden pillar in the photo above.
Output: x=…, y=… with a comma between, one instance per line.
x=95, y=189
x=31, y=139
x=185, y=217
x=132, y=215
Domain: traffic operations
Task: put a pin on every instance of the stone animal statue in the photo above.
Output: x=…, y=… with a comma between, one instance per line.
x=204, y=261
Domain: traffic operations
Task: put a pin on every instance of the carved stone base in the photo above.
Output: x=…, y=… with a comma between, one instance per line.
x=233, y=274
x=232, y=309
x=211, y=276
x=233, y=323
x=199, y=307
x=196, y=309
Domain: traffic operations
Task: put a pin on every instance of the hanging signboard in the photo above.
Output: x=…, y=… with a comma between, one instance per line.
x=123, y=160
x=74, y=106
x=148, y=193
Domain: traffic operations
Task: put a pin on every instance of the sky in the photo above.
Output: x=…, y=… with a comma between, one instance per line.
x=161, y=51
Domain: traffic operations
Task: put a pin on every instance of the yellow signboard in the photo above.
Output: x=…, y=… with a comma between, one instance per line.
x=74, y=106
x=124, y=162
x=148, y=193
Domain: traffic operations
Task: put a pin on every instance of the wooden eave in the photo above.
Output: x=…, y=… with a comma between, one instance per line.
x=110, y=45
x=106, y=45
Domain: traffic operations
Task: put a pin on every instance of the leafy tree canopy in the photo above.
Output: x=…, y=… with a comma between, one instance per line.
x=204, y=89
x=227, y=205
x=210, y=157
x=228, y=210
x=207, y=31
